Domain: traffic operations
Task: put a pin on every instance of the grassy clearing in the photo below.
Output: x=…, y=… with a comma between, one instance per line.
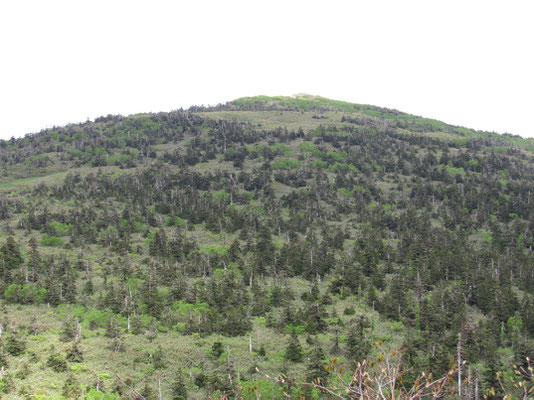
x=292, y=120
x=15, y=185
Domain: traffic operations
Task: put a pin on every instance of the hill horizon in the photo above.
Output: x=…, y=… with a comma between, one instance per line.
x=317, y=99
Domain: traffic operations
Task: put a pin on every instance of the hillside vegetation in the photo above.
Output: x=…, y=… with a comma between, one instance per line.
x=203, y=252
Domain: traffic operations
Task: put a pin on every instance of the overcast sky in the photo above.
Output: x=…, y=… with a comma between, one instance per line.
x=468, y=63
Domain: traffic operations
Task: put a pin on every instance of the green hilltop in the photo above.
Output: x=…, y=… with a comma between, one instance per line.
x=412, y=123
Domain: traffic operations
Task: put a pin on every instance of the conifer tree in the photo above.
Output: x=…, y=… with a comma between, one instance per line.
x=316, y=365
x=294, y=349
x=178, y=389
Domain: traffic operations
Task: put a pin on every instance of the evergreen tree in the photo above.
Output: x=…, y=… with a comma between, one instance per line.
x=178, y=389
x=358, y=346
x=316, y=365
x=152, y=299
x=14, y=345
x=71, y=388
x=493, y=367
x=294, y=349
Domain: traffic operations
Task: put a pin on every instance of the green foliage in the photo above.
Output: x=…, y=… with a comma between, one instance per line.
x=51, y=241
x=263, y=388
x=336, y=155
x=285, y=164
x=307, y=146
x=173, y=221
x=77, y=153
x=215, y=249
x=94, y=318
x=183, y=308
x=25, y=294
x=12, y=293
x=148, y=123
x=93, y=394
x=455, y=171
x=56, y=362
x=118, y=159
x=320, y=164
x=344, y=192
x=281, y=148
x=58, y=229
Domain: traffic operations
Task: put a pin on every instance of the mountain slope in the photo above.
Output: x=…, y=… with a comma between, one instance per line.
x=265, y=232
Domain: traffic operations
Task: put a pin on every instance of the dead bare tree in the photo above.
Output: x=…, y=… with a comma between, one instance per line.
x=380, y=379
x=525, y=385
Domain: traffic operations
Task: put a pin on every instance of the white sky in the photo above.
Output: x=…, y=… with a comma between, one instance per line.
x=464, y=62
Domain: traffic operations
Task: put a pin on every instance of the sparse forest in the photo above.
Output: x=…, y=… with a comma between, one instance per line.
x=263, y=248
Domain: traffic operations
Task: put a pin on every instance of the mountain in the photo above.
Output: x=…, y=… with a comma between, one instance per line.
x=206, y=251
